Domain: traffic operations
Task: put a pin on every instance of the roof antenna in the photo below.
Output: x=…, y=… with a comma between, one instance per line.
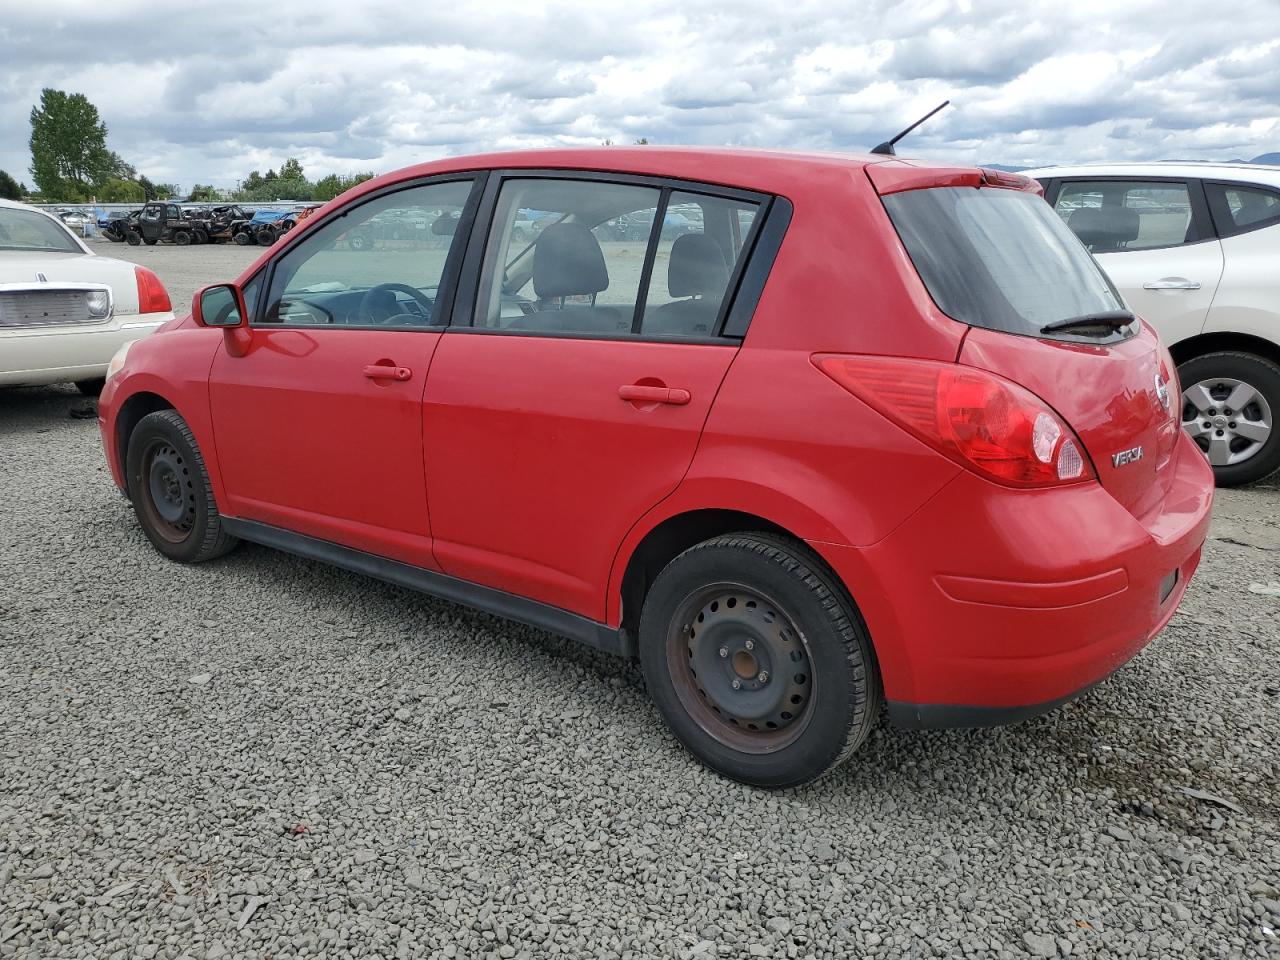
x=886, y=148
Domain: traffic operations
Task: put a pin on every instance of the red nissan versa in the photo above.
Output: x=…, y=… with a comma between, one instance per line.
x=801, y=432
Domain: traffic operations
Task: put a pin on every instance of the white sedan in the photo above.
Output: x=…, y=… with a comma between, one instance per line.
x=64, y=311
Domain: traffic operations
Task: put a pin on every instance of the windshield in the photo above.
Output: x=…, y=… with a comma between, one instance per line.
x=28, y=230
x=1000, y=259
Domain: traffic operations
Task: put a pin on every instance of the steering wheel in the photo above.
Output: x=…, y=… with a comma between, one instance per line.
x=367, y=302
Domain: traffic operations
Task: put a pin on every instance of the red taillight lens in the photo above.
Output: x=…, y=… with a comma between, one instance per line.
x=980, y=420
x=152, y=296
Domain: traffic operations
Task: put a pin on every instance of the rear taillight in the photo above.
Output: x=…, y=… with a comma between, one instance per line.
x=152, y=296
x=984, y=422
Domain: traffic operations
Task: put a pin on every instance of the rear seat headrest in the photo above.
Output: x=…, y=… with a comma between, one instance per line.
x=697, y=267
x=1105, y=226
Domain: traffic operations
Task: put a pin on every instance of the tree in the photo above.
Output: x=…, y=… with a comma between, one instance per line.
x=202, y=193
x=116, y=190
x=10, y=189
x=642, y=142
x=326, y=188
x=292, y=170
x=253, y=181
x=69, y=154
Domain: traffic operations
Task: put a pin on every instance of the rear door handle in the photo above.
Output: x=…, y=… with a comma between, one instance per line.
x=1171, y=283
x=385, y=371
x=643, y=393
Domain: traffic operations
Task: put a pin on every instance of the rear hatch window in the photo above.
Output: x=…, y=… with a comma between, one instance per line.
x=999, y=259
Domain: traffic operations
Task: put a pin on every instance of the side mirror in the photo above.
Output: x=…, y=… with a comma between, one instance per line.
x=219, y=305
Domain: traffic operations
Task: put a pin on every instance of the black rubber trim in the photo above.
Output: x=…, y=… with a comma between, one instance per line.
x=543, y=616
x=934, y=716
x=758, y=264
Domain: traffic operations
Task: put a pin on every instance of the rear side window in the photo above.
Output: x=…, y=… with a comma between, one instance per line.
x=998, y=259
x=1239, y=209
x=573, y=257
x=1113, y=215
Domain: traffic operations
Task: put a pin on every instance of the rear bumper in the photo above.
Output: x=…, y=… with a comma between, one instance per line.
x=990, y=605
x=31, y=356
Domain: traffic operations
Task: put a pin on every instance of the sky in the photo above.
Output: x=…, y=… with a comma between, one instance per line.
x=198, y=92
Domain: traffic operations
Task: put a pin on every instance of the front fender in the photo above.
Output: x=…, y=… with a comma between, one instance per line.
x=172, y=364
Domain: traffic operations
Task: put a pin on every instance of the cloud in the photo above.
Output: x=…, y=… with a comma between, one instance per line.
x=208, y=91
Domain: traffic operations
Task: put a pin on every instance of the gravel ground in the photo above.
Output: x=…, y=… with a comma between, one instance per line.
x=184, y=270
x=264, y=757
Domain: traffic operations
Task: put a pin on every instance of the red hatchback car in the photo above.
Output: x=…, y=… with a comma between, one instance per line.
x=801, y=432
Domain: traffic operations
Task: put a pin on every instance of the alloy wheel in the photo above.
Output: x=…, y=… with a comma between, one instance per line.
x=1229, y=420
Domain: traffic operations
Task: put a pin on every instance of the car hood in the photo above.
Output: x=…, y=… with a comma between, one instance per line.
x=24, y=266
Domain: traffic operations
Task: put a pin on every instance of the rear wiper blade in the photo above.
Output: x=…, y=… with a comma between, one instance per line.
x=1104, y=321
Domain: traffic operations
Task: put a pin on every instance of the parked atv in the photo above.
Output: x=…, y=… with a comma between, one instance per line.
x=169, y=222
x=120, y=229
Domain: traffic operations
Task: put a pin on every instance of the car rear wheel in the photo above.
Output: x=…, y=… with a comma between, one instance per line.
x=182, y=238
x=1231, y=408
x=267, y=236
x=169, y=487
x=758, y=660
x=132, y=239
x=149, y=242
x=243, y=239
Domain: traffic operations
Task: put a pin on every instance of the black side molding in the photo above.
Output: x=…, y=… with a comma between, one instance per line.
x=933, y=716
x=543, y=616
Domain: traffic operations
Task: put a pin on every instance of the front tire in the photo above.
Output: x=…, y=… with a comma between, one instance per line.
x=170, y=490
x=758, y=660
x=1231, y=409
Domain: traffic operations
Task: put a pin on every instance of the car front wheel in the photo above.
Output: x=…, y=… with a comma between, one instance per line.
x=1230, y=403
x=169, y=487
x=758, y=660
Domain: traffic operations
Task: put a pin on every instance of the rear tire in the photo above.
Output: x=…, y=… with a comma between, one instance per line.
x=1251, y=433
x=242, y=239
x=758, y=661
x=170, y=490
x=182, y=238
x=132, y=239
x=266, y=237
x=150, y=243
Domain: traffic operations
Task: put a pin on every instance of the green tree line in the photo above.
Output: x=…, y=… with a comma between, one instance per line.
x=71, y=163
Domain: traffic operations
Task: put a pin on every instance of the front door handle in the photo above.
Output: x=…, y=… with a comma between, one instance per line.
x=385, y=371
x=1171, y=283
x=643, y=393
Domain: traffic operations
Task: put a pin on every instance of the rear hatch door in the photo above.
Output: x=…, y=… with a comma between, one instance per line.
x=999, y=259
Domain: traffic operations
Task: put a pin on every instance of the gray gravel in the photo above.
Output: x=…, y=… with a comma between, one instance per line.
x=262, y=756
x=184, y=270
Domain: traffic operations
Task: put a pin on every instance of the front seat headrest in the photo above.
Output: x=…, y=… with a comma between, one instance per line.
x=697, y=267
x=1104, y=226
x=568, y=262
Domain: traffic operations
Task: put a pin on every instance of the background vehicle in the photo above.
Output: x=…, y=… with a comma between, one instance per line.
x=877, y=429
x=1193, y=248
x=63, y=310
x=159, y=221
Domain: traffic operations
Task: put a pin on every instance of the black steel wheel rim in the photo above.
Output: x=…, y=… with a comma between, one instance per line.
x=168, y=491
x=741, y=667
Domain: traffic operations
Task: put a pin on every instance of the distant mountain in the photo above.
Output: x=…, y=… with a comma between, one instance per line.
x=1003, y=166
x=1266, y=158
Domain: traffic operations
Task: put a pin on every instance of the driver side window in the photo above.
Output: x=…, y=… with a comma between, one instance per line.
x=379, y=264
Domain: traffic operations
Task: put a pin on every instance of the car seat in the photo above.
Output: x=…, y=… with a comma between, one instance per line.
x=697, y=272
